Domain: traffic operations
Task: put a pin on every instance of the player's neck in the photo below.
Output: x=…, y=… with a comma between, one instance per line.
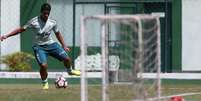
x=43, y=19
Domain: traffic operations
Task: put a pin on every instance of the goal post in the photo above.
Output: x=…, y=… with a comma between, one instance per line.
x=134, y=40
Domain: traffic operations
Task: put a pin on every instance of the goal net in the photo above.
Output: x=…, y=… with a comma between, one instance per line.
x=123, y=48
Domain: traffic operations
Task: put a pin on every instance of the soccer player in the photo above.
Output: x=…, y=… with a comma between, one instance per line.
x=43, y=44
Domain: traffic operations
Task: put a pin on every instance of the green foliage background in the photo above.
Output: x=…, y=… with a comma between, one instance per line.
x=19, y=61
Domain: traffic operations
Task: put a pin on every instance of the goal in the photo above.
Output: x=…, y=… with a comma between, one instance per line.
x=134, y=40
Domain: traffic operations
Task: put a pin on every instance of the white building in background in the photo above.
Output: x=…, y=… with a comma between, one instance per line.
x=10, y=19
x=191, y=35
x=190, y=28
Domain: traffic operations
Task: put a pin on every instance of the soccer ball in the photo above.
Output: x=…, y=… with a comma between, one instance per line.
x=61, y=82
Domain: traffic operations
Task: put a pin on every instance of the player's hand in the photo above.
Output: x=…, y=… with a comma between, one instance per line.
x=66, y=48
x=3, y=37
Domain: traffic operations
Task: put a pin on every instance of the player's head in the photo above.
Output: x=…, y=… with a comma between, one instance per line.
x=45, y=11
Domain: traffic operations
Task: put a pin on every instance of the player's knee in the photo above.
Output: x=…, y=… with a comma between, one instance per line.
x=67, y=60
x=43, y=66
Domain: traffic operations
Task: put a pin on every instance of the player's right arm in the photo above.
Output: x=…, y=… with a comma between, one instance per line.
x=14, y=32
x=19, y=30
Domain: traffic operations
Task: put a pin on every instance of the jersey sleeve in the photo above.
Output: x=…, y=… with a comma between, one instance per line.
x=55, y=28
x=28, y=24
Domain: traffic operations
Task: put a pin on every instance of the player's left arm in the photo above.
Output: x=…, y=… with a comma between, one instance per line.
x=59, y=37
x=61, y=40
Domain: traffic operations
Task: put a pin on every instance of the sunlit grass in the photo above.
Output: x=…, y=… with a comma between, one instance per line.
x=33, y=92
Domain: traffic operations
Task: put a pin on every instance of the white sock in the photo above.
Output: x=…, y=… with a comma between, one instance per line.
x=44, y=81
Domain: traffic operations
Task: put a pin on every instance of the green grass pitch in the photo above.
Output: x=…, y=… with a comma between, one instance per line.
x=31, y=91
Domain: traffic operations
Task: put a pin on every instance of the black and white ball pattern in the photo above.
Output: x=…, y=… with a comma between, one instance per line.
x=61, y=82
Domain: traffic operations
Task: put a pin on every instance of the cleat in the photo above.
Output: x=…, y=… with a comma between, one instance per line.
x=74, y=72
x=45, y=86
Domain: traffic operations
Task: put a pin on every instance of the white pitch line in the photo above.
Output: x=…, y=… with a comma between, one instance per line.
x=182, y=76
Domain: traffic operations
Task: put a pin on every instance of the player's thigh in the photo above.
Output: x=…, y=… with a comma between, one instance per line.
x=59, y=53
x=40, y=55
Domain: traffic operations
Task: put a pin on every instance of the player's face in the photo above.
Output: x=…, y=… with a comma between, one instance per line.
x=45, y=14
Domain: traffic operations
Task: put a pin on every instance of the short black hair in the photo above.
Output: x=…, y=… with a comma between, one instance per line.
x=45, y=6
